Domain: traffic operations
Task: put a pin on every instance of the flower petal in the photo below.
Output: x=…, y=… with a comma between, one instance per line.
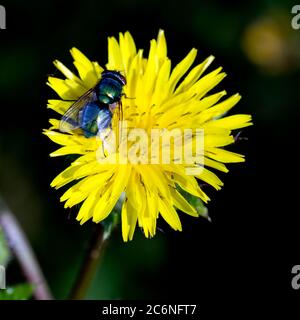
x=180, y=203
x=236, y=121
x=224, y=155
x=59, y=106
x=89, y=72
x=194, y=75
x=129, y=219
x=169, y=214
x=111, y=195
x=210, y=178
x=181, y=68
x=115, y=61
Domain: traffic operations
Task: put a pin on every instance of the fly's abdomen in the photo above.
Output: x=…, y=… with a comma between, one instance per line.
x=88, y=119
x=104, y=118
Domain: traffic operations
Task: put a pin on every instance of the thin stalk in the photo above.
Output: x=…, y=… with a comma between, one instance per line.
x=23, y=252
x=90, y=264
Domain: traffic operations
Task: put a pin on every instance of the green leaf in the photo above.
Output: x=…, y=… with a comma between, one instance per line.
x=4, y=250
x=22, y=291
x=196, y=202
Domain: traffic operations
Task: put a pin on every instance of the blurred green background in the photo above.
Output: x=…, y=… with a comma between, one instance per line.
x=259, y=50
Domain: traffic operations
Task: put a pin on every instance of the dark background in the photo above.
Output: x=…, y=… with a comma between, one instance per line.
x=248, y=250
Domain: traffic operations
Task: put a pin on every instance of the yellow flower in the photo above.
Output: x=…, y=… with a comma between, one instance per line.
x=155, y=97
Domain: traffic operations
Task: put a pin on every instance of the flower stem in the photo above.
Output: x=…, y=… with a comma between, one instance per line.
x=23, y=252
x=90, y=264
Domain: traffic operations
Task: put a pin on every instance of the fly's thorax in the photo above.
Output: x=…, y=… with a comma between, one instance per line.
x=109, y=91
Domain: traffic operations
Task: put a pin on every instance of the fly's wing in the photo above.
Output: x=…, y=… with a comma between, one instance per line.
x=71, y=119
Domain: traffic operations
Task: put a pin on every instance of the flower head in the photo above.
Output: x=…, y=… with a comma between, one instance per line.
x=162, y=103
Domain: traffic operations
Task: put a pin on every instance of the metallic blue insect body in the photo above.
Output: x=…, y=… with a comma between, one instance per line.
x=93, y=111
x=110, y=87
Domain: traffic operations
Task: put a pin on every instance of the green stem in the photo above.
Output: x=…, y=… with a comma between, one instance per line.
x=90, y=264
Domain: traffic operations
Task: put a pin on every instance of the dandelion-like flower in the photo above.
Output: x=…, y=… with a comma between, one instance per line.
x=155, y=98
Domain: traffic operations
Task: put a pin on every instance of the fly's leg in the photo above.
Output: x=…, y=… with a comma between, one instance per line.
x=125, y=96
